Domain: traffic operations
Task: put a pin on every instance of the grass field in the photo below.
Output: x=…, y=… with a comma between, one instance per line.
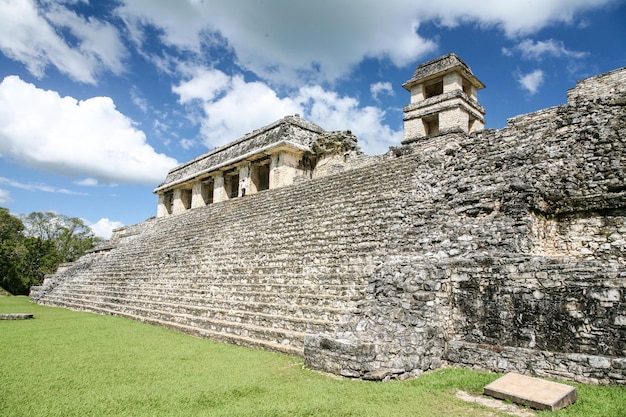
x=65, y=363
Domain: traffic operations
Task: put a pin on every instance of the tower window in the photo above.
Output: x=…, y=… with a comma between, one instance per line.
x=433, y=89
x=431, y=125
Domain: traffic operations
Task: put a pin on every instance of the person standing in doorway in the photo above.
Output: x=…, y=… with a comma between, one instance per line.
x=242, y=186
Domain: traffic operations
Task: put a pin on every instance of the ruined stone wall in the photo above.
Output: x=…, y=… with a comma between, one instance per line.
x=499, y=250
x=260, y=271
x=291, y=128
x=601, y=86
x=516, y=259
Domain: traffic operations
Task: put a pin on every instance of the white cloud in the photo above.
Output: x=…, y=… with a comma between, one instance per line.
x=531, y=81
x=514, y=17
x=87, y=182
x=138, y=100
x=5, y=196
x=38, y=187
x=30, y=33
x=228, y=110
x=104, y=227
x=203, y=84
x=381, y=87
x=334, y=112
x=287, y=42
x=229, y=98
x=540, y=49
x=88, y=138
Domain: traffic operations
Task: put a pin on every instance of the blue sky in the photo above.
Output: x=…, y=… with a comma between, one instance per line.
x=99, y=99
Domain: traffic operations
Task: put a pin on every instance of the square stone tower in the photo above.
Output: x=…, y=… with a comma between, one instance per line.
x=444, y=99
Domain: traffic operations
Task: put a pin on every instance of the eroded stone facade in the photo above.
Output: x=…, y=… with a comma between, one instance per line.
x=288, y=150
x=444, y=99
x=491, y=249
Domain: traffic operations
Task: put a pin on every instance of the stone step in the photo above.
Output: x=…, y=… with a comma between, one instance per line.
x=294, y=283
x=297, y=309
x=315, y=291
x=533, y=392
x=317, y=302
x=281, y=261
x=230, y=314
x=288, y=341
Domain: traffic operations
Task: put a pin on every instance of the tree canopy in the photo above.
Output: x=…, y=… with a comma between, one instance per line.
x=34, y=245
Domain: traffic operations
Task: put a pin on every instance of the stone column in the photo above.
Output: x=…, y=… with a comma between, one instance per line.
x=413, y=128
x=454, y=118
x=219, y=192
x=197, y=200
x=253, y=180
x=178, y=205
x=417, y=93
x=283, y=169
x=161, y=207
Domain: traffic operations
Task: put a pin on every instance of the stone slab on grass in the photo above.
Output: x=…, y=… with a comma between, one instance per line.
x=533, y=392
x=16, y=316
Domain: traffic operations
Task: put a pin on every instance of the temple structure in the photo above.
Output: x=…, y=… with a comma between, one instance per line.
x=273, y=156
x=443, y=99
x=495, y=249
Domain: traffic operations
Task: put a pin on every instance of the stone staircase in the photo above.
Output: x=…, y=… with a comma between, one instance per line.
x=258, y=271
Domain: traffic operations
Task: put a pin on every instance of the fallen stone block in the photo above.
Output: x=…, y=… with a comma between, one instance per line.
x=16, y=316
x=533, y=392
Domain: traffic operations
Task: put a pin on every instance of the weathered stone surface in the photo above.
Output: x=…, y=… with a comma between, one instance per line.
x=500, y=250
x=293, y=128
x=533, y=392
x=17, y=316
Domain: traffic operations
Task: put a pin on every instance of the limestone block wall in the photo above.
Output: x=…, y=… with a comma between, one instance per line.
x=516, y=255
x=260, y=271
x=291, y=128
x=503, y=250
x=599, y=87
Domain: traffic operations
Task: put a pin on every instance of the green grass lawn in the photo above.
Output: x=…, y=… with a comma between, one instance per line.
x=65, y=363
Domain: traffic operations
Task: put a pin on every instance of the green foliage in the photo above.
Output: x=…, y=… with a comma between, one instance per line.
x=65, y=363
x=41, y=258
x=35, y=245
x=70, y=235
x=11, y=253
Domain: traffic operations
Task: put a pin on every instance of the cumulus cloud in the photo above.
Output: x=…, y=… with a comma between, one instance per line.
x=381, y=88
x=531, y=81
x=89, y=138
x=335, y=112
x=514, y=17
x=104, y=227
x=538, y=50
x=225, y=100
x=30, y=33
x=281, y=42
x=285, y=42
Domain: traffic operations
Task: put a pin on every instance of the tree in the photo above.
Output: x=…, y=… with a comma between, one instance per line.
x=11, y=227
x=71, y=237
x=35, y=245
x=40, y=258
x=11, y=253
